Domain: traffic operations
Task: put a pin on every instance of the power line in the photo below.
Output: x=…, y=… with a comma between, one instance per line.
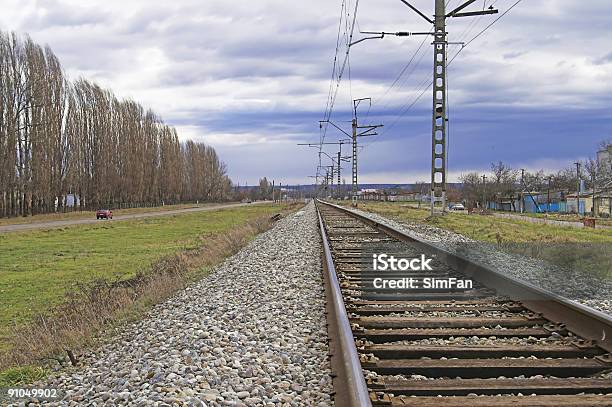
x=405, y=68
x=415, y=101
x=349, y=37
x=484, y=30
x=331, y=99
x=335, y=62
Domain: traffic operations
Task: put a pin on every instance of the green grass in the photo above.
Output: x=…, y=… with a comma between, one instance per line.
x=566, y=217
x=38, y=268
x=489, y=228
x=583, y=250
x=22, y=375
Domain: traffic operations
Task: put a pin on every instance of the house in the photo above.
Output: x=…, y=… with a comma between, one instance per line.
x=581, y=203
x=531, y=202
x=603, y=204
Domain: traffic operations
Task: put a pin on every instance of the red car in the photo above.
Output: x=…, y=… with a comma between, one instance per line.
x=104, y=214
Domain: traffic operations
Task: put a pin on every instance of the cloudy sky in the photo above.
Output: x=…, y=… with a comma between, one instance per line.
x=252, y=78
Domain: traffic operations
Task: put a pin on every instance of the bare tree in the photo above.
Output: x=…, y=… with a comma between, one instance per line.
x=503, y=180
x=472, y=188
x=59, y=138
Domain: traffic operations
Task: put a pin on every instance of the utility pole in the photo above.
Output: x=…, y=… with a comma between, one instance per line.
x=368, y=131
x=438, y=143
x=328, y=177
x=593, y=185
x=484, y=192
x=314, y=192
x=339, y=167
x=577, y=187
x=357, y=131
x=339, y=143
x=521, y=202
x=439, y=113
x=272, y=192
x=548, y=195
x=354, y=162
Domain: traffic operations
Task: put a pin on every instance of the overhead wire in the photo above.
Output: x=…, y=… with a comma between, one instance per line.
x=484, y=30
x=405, y=79
x=411, y=104
x=338, y=70
x=334, y=65
x=419, y=89
x=349, y=38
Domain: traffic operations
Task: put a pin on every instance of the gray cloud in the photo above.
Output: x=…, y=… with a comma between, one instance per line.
x=251, y=78
x=604, y=60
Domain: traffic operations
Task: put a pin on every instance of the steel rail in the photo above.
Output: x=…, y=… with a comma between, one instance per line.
x=584, y=321
x=350, y=388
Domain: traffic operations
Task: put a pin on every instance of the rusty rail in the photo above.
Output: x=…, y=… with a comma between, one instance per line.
x=349, y=384
x=376, y=331
x=585, y=321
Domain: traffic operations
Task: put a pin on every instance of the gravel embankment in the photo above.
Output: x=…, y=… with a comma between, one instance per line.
x=578, y=286
x=251, y=334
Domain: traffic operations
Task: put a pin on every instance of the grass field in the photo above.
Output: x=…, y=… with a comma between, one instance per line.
x=583, y=250
x=565, y=217
x=489, y=228
x=38, y=268
x=50, y=217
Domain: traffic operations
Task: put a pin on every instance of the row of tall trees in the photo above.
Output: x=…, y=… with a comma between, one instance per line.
x=60, y=138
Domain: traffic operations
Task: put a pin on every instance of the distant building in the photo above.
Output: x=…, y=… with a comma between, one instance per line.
x=604, y=157
x=531, y=202
x=586, y=203
x=371, y=194
x=603, y=203
x=405, y=197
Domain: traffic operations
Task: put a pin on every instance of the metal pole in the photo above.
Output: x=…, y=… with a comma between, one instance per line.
x=438, y=145
x=578, y=187
x=484, y=191
x=439, y=114
x=548, y=197
x=339, y=154
x=354, y=162
x=593, y=185
x=521, y=202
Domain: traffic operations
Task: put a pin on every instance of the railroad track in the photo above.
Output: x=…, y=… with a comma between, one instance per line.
x=500, y=342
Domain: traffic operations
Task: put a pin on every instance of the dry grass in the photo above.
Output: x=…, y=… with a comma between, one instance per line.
x=92, y=307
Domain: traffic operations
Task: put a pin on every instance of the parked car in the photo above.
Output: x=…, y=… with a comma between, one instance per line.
x=457, y=207
x=104, y=214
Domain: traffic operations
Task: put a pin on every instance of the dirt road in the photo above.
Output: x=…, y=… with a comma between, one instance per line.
x=62, y=223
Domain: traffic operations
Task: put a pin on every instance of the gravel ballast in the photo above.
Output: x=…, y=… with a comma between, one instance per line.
x=253, y=333
x=583, y=288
